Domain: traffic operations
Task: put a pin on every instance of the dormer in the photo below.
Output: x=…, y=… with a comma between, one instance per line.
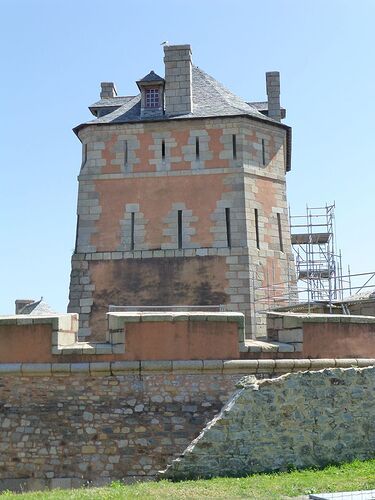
x=152, y=95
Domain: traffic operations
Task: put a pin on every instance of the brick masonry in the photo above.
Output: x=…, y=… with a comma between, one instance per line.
x=155, y=188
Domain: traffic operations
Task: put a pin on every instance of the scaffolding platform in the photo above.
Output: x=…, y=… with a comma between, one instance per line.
x=314, y=238
x=313, y=275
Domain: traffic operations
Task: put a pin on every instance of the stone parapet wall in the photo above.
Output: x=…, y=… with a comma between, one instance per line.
x=365, y=307
x=323, y=335
x=298, y=420
x=186, y=335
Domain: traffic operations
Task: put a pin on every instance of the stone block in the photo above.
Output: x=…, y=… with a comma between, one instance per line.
x=298, y=346
x=118, y=367
x=7, y=369
x=187, y=366
x=284, y=365
x=80, y=368
x=320, y=364
x=301, y=365
x=156, y=366
x=345, y=363
x=59, y=369
x=361, y=363
x=290, y=322
x=291, y=335
x=62, y=483
x=103, y=348
x=285, y=347
x=241, y=366
x=100, y=368
x=266, y=365
x=213, y=364
x=118, y=348
x=36, y=369
x=117, y=337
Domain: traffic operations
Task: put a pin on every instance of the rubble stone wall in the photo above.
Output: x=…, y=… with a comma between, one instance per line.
x=299, y=420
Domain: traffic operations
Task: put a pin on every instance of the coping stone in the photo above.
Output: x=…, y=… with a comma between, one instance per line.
x=156, y=366
x=10, y=369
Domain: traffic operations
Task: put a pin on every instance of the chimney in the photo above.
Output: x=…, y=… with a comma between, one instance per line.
x=21, y=303
x=273, y=94
x=108, y=90
x=178, y=80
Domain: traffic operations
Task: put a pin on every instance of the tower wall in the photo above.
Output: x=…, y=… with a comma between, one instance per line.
x=134, y=182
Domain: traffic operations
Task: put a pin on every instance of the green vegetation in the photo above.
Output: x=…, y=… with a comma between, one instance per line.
x=348, y=477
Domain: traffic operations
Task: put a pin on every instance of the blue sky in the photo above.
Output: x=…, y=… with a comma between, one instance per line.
x=54, y=55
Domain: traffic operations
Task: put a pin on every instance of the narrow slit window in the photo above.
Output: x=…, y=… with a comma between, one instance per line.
x=126, y=153
x=84, y=153
x=227, y=222
x=280, y=232
x=132, y=230
x=234, y=146
x=179, y=228
x=256, y=216
x=197, y=148
x=77, y=229
x=163, y=149
x=263, y=152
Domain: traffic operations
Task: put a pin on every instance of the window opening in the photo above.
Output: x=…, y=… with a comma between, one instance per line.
x=197, y=148
x=126, y=153
x=179, y=228
x=280, y=233
x=256, y=227
x=263, y=152
x=163, y=149
x=152, y=98
x=132, y=231
x=234, y=146
x=227, y=221
x=84, y=153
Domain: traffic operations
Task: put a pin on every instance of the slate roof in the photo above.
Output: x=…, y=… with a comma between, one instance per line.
x=210, y=99
x=37, y=308
x=151, y=77
x=111, y=102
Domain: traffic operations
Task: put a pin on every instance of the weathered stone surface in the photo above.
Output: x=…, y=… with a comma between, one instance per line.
x=300, y=419
x=71, y=426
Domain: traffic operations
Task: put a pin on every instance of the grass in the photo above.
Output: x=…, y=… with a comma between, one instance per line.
x=348, y=477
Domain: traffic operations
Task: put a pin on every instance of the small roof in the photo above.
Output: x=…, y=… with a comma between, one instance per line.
x=37, y=308
x=151, y=77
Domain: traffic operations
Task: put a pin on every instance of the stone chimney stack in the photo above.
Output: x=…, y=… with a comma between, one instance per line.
x=108, y=90
x=178, y=80
x=273, y=94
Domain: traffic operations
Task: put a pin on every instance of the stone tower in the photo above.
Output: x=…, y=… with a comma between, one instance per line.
x=182, y=196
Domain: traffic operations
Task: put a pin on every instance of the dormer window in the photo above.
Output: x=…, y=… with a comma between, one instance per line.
x=152, y=98
x=152, y=90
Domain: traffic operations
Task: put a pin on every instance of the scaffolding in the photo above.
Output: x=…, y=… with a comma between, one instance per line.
x=318, y=264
